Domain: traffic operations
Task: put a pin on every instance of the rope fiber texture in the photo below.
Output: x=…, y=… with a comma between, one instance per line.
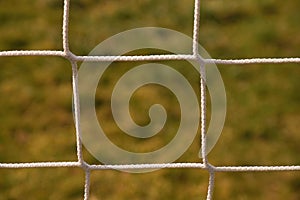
x=74, y=59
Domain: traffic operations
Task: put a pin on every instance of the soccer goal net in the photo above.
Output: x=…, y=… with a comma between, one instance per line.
x=203, y=164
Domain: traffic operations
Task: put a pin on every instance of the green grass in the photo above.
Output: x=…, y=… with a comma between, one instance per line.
x=262, y=124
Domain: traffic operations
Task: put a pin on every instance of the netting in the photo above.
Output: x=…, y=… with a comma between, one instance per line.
x=74, y=59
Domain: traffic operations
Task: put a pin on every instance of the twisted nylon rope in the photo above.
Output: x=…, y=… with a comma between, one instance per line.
x=205, y=165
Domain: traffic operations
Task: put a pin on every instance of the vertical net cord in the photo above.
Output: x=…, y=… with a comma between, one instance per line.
x=66, y=26
x=196, y=27
x=203, y=113
x=202, y=79
x=203, y=131
x=87, y=184
x=83, y=164
x=76, y=100
x=211, y=184
x=77, y=112
x=202, y=99
x=74, y=79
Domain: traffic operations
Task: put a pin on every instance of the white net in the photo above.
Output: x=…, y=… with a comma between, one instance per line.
x=74, y=59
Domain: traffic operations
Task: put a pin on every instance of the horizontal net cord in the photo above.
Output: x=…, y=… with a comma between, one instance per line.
x=148, y=166
x=257, y=168
x=32, y=53
x=152, y=166
x=136, y=58
x=148, y=57
x=254, y=60
x=101, y=167
x=39, y=164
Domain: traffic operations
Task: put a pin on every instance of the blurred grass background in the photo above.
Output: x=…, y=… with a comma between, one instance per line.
x=262, y=125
